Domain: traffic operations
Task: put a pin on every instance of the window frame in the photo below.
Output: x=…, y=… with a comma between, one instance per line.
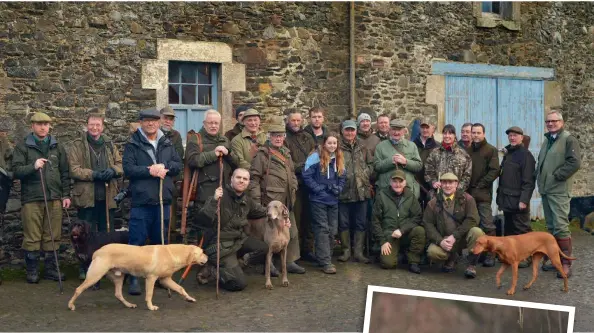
x=508, y=16
x=215, y=78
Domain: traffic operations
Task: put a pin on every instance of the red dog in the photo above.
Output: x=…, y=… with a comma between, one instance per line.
x=513, y=249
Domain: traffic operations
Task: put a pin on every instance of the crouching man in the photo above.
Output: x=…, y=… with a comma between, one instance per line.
x=397, y=223
x=236, y=207
x=451, y=220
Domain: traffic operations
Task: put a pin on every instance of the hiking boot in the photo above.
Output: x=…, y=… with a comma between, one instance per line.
x=31, y=266
x=51, y=270
x=329, y=269
x=489, y=260
x=470, y=272
x=134, y=288
x=293, y=268
x=358, y=248
x=525, y=263
x=414, y=268
x=450, y=264
x=565, y=245
x=345, y=240
x=547, y=266
x=273, y=271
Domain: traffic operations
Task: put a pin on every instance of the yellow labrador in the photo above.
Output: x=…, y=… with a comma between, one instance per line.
x=151, y=261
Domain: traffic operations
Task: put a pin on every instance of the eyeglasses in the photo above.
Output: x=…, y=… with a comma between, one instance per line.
x=551, y=121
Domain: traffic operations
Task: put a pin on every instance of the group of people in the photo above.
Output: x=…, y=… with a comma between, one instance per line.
x=376, y=190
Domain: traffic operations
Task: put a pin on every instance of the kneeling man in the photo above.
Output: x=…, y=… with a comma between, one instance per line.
x=397, y=223
x=236, y=207
x=451, y=220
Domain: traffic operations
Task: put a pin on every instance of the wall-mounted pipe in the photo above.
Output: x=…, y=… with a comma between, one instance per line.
x=352, y=58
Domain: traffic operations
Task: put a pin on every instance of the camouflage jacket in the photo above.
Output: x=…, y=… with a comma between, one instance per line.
x=456, y=161
x=273, y=176
x=359, y=169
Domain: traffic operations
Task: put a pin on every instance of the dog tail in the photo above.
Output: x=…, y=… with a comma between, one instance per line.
x=566, y=256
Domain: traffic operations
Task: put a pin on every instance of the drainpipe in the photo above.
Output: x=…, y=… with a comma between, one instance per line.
x=352, y=59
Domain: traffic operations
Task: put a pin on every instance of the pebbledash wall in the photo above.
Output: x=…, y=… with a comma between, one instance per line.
x=65, y=58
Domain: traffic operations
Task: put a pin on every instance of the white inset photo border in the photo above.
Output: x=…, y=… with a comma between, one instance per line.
x=378, y=290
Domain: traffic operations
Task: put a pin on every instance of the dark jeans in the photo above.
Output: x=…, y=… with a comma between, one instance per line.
x=145, y=222
x=352, y=215
x=325, y=225
x=95, y=216
x=516, y=223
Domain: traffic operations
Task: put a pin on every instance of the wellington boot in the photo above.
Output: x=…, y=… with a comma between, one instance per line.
x=32, y=266
x=51, y=270
x=358, y=248
x=345, y=240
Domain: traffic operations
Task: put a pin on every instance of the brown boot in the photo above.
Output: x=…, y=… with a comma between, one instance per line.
x=565, y=245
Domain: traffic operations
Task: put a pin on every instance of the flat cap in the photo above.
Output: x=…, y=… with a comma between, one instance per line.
x=514, y=129
x=398, y=123
x=251, y=112
x=40, y=117
x=151, y=113
x=168, y=111
x=398, y=174
x=349, y=124
x=276, y=128
x=448, y=176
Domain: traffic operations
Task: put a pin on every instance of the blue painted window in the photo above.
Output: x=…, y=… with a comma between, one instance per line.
x=504, y=9
x=491, y=7
x=193, y=89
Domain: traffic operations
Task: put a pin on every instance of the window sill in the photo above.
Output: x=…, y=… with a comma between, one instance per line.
x=493, y=22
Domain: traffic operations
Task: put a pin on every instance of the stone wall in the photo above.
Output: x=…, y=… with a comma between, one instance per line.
x=64, y=58
x=396, y=43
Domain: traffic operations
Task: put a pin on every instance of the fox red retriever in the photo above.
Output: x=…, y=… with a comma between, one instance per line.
x=513, y=249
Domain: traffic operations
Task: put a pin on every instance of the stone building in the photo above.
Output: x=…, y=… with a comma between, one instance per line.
x=409, y=59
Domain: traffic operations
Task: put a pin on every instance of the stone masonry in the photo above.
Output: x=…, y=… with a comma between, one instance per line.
x=64, y=58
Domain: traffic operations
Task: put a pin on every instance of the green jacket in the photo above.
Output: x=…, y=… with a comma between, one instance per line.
x=389, y=216
x=439, y=224
x=558, y=161
x=485, y=170
x=243, y=150
x=206, y=161
x=359, y=170
x=81, y=172
x=369, y=140
x=235, y=211
x=56, y=175
x=385, y=167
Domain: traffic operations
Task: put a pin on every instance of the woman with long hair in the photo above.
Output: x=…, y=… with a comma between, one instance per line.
x=324, y=176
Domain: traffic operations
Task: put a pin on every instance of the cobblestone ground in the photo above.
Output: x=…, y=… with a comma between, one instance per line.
x=313, y=302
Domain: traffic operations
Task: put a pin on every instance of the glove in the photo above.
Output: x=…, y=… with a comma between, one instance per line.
x=107, y=174
x=335, y=190
x=97, y=175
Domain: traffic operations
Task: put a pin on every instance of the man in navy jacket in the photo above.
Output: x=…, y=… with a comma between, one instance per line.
x=149, y=157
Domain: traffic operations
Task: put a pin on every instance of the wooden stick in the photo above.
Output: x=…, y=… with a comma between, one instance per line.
x=219, y=221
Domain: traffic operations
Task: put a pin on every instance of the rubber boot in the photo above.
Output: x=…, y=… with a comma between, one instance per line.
x=345, y=240
x=134, y=288
x=565, y=245
x=31, y=265
x=358, y=248
x=82, y=272
x=51, y=270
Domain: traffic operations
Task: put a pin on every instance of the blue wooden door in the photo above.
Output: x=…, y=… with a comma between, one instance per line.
x=498, y=104
x=474, y=100
x=521, y=103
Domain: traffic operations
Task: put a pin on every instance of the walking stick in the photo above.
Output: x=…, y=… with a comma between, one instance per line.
x=51, y=230
x=107, y=206
x=162, y=219
x=219, y=221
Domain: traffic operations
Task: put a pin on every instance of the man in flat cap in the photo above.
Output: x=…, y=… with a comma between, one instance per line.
x=397, y=153
x=236, y=130
x=245, y=145
x=167, y=124
x=451, y=221
x=397, y=223
x=558, y=162
x=41, y=151
x=516, y=184
x=149, y=158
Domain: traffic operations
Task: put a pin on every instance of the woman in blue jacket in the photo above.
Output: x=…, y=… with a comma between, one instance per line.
x=324, y=175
